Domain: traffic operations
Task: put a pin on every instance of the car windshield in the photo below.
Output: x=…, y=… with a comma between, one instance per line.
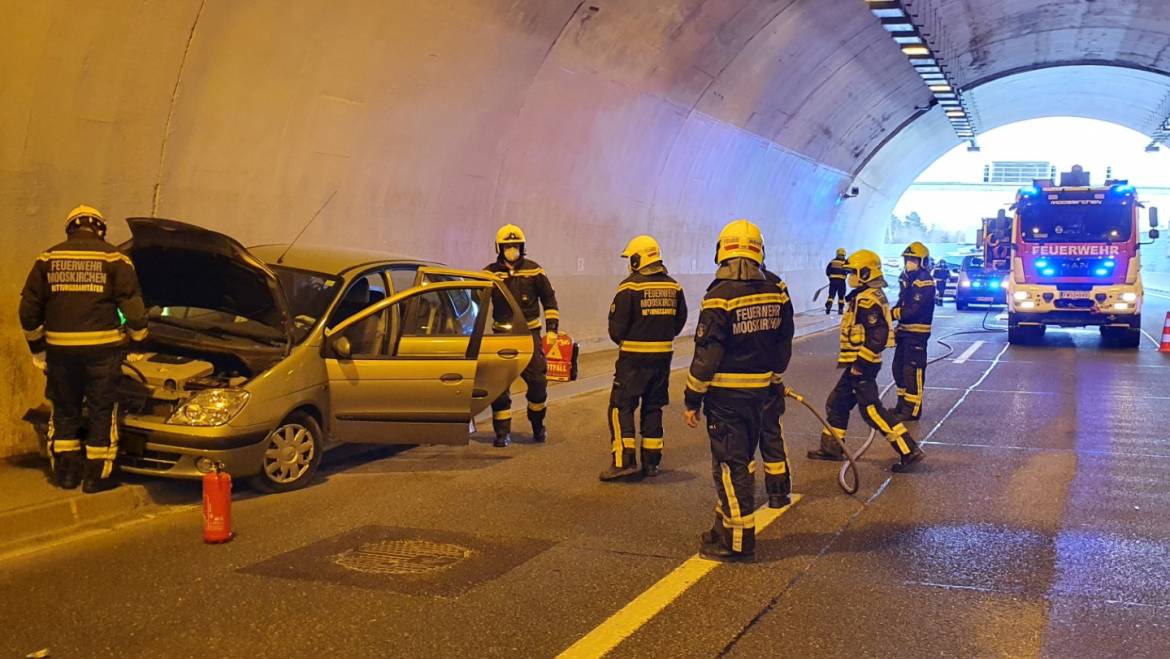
x=972, y=263
x=309, y=296
x=1077, y=223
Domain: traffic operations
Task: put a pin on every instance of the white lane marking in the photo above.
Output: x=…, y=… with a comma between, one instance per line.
x=966, y=393
x=1152, y=339
x=970, y=351
x=621, y=625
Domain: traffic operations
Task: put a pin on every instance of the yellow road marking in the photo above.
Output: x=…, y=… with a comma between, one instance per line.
x=644, y=607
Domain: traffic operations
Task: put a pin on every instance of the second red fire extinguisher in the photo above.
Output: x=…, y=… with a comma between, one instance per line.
x=217, y=505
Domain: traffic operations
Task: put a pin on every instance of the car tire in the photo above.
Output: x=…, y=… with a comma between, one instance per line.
x=292, y=454
x=960, y=306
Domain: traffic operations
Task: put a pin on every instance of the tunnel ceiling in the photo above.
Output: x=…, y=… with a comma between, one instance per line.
x=437, y=121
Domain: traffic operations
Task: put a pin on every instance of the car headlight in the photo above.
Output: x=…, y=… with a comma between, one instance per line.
x=1028, y=305
x=1129, y=297
x=213, y=407
x=965, y=284
x=1120, y=306
x=1021, y=295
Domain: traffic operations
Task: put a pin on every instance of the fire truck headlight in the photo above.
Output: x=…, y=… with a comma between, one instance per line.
x=1021, y=295
x=1129, y=296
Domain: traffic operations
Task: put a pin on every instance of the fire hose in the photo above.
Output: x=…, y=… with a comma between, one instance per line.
x=848, y=478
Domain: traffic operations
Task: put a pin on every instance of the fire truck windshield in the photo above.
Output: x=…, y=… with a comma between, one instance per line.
x=1076, y=223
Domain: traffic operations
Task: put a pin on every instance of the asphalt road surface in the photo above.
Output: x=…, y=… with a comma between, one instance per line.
x=1037, y=526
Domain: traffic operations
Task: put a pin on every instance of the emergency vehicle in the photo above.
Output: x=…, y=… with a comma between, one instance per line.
x=1075, y=259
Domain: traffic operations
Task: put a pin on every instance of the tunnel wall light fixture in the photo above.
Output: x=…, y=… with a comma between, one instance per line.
x=924, y=56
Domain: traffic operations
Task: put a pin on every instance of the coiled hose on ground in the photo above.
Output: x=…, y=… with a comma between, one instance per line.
x=848, y=477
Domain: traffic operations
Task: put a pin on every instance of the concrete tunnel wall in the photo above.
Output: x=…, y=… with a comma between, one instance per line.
x=437, y=121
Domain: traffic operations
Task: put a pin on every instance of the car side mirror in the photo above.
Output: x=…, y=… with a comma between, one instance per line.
x=342, y=347
x=1154, y=233
x=1153, y=217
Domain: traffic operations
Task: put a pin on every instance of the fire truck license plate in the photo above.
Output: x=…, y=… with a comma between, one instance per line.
x=1075, y=295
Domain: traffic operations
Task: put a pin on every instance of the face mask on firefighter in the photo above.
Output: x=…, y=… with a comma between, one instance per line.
x=511, y=254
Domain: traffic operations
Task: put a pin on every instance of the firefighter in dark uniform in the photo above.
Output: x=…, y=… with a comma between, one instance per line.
x=739, y=350
x=865, y=333
x=942, y=272
x=777, y=476
x=648, y=311
x=835, y=271
x=69, y=309
x=531, y=288
x=914, y=313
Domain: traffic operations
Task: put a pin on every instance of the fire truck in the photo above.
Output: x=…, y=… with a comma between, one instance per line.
x=1076, y=259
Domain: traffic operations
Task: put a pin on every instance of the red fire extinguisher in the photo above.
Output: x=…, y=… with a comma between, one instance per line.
x=217, y=505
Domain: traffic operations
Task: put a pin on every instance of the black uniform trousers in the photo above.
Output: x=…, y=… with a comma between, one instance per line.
x=910, y=373
x=643, y=381
x=837, y=290
x=86, y=379
x=777, y=478
x=535, y=375
x=862, y=391
x=940, y=288
x=735, y=418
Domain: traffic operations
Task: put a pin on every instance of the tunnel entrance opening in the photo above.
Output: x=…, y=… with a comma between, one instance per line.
x=945, y=205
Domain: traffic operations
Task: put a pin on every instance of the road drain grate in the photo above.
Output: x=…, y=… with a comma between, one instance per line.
x=402, y=557
x=428, y=562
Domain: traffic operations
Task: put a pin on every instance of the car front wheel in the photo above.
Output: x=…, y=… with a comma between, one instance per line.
x=291, y=455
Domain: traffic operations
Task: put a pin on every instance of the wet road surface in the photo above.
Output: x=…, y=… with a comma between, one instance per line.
x=1036, y=527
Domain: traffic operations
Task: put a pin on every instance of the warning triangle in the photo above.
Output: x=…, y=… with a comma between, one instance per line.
x=554, y=351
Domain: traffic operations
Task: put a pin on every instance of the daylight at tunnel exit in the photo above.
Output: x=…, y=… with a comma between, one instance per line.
x=585, y=328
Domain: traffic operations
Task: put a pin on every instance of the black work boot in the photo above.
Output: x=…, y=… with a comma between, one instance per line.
x=92, y=481
x=906, y=462
x=779, y=500
x=627, y=470
x=718, y=552
x=840, y=309
x=830, y=450
x=503, y=431
x=67, y=470
x=828, y=308
x=540, y=434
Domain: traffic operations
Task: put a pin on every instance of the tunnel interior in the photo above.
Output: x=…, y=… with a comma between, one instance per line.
x=584, y=122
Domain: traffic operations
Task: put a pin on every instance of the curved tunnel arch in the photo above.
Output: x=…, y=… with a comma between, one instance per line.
x=588, y=122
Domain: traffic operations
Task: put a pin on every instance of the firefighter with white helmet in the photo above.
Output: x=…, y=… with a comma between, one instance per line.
x=69, y=309
x=739, y=357
x=914, y=312
x=865, y=332
x=530, y=286
x=648, y=311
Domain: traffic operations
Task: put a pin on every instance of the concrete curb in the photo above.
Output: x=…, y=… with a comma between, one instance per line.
x=31, y=523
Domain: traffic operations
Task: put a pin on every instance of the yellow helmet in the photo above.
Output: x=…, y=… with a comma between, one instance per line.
x=916, y=250
x=86, y=217
x=509, y=235
x=740, y=239
x=840, y=252
x=867, y=265
x=642, y=251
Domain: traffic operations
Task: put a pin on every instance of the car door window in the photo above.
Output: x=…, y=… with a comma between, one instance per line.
x=402, y=278
x=439, y=323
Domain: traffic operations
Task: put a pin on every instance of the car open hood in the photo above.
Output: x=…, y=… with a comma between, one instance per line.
x=182, y=265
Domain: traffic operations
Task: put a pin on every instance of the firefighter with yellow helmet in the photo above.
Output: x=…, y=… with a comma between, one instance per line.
x=739, y=358
x=865, y=332
x=648, y=311
x=530, y=286
x=835, y=271
x=915, y=314
x=69, y=309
